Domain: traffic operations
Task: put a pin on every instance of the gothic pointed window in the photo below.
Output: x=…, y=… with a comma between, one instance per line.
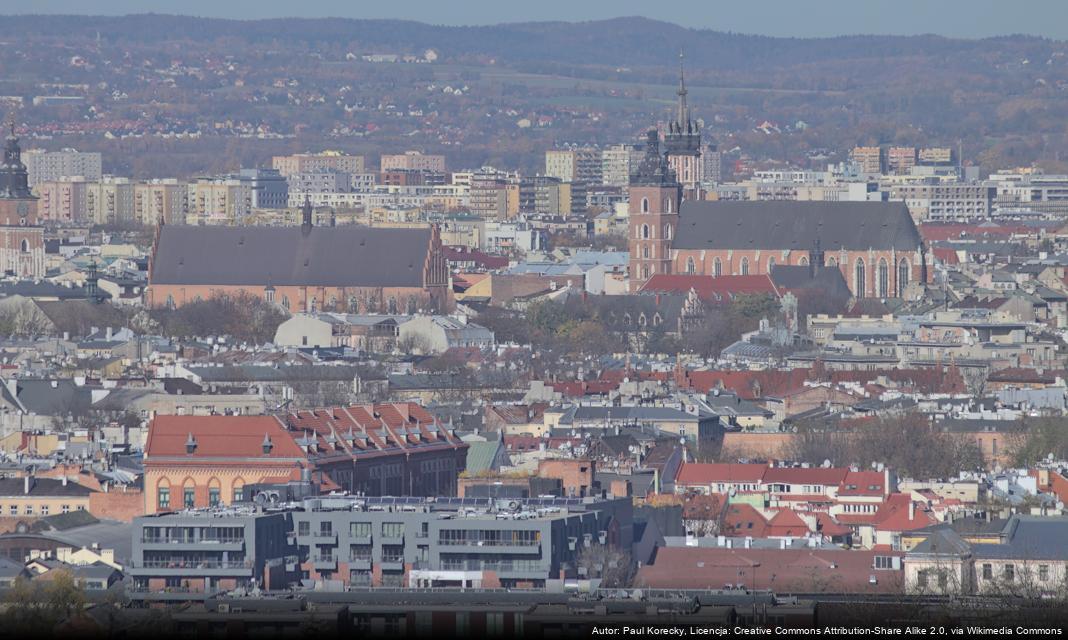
x=645, y=232
x=691, y=268
x=884, y=279
x=745, y=266
x=803, y=261
x=858, y=278
x=717, y=267
x=902, y=276
x=645, y=205
x=771, y=263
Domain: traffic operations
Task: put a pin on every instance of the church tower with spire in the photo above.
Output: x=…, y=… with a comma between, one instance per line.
x=682, y=143
x=21, y=238
x=654, y=197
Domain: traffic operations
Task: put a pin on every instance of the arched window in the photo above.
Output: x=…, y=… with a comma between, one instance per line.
x=25, y=245
x=771, y=263
x=626, y=319
x=354, y=305
x=642, y=321
x=645, y=232
x=717, y=267
x=333, y=303
x=745, y=266
x=902, y=276
x=189, y=494
x=667, y=205
x=690, y=266
x=214, y=492
x=803, y=261
x=163, y=495
x=858, y=278
x=657, y=320
x=411, y=305
x=313, y=305
x=170, y=302
x=645, y=251
x=238, y=490
x=285, y=302
x=667, y=232
x=645, y=205
x=884, y=278
x=392, y=305
x=832, y=262
x=645, y=271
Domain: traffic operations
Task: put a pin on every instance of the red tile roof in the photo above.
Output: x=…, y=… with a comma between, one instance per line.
x=236, y=437
x=797, y=475
x=749, y=385
x=786, y=523
x=704, y=473
x=742, y=519
x=863, y=483
x=788, y=570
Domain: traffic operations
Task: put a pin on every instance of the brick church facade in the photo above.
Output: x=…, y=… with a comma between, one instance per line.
x=21, y=237
x=876, y=245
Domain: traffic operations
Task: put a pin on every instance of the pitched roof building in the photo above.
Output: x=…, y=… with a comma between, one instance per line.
x=349, y=268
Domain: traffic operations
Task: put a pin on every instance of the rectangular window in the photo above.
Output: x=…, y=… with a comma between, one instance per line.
x=988, y=571
x=326, y=528
x=304, y=528
x=1043, y=572
x=189, y=498
x=29, y=509
x=239, y=494
x=360, y=529
x=884, y=562
x=1010, y=572
x=921, y=578
x=163, y=498
x=44, y=509
x=65, y=508
x=213, y=497
x=392, y=529
x=393, y=553
x=14, y=509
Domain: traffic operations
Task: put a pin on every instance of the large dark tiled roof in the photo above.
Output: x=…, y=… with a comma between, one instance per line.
x=778, y=225
x=345, y=256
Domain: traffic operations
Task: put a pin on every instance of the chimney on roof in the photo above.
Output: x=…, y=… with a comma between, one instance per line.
x=190, y=444
x=63, y=479
x=28, y=482
x=267, y=444
x=108, y=332
x=912, y=510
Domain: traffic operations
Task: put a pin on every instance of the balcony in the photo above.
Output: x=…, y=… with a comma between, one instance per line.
x=492, y=546
x=184, y=543
x=195, y=568
x=360, y=562
x=324, y=562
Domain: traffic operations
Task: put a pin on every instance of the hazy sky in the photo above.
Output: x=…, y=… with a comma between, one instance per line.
x=804, y=18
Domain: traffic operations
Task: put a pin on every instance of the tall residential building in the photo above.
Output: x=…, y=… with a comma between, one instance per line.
x=42, y=166
x=493, y=194
x=413, y=161
x=869, y=159
x=617, y=163
x=901, y=160
x=713, y=161
x=545, y=194
x=110, y=201
x=953, y=201
x=224, y=200
x=156, y=200
x=574, y=165
x=21, y=237
x=61, y=200
x=303, y=162
x=936, y=156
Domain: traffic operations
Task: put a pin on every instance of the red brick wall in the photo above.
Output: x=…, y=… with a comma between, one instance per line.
x=576, y=475
x=731, y=264
x=116, y=504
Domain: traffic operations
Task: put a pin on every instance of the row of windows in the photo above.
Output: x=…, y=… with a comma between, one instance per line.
x=163, y=496
x=1008, y=572
x=42, y=509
